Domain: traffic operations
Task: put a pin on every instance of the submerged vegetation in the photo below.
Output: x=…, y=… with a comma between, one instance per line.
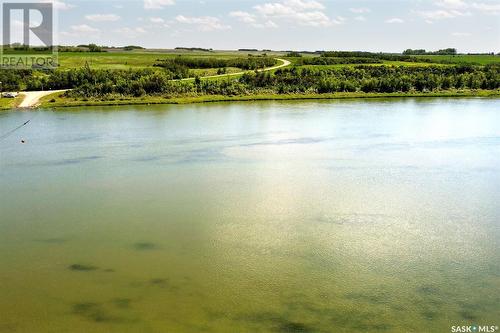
x=82, y=268
x=145, y=246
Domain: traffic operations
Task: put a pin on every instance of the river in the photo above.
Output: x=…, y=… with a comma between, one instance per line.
x=334, y=216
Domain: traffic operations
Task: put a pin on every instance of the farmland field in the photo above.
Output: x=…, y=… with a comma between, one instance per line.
x=125, y=60
x=476, y=59
x=145, y=59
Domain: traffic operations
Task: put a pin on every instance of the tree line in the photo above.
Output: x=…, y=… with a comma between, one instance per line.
x=101, y=83
x=336, y=60
x=246, y=63
x=374, y=56
x=379, y=79
x=448, y=51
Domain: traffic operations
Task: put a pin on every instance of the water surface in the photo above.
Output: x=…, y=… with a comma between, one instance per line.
x=339, y=216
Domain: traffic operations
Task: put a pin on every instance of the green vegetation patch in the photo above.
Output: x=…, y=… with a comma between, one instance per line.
x=462, y=59
x=145, y=246
x=247, y=63
x=82, y=268
x=9, y=103
x=103, y=85
x=337, y=60
x=98, y=313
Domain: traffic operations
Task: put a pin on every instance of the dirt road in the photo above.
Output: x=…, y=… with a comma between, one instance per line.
x=32, y=98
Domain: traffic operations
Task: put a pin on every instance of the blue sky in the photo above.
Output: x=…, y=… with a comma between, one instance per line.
x=373, y=25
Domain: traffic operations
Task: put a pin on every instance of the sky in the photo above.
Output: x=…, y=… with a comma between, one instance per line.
x=368, y=25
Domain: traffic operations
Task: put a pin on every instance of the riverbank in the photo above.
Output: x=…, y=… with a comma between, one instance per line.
x=58, y=100
x=10, y=103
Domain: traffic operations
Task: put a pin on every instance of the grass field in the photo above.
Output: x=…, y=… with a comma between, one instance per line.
x=111, y=60
x=471, y=59
x=135, y=59
x=145, y=59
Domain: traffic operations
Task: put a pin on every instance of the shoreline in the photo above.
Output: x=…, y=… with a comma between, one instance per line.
x=158, y=100
x=10, y=103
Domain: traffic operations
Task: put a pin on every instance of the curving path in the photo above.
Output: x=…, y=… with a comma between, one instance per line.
x=284, y=63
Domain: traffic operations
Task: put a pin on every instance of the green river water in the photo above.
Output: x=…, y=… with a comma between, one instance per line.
x=338, y=216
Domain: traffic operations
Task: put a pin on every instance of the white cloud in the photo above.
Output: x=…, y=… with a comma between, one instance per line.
x=17, y=24
x=252, y=20
x=314, y=19
x=452, y=4
x=243, y=16
x=461, y=4
x=486, y=8
x=130, y=32
x=303, y=12
x=440, y=14
x=84, y=28
x=461, y=34
x=458, y=8
x=67, y=34
x=285, y=7
x=360, y=18
x=158, y=4
x=288, y=7
x=305, y=4
x=203, y=23
x=394, y=20
x=361, y=10
x=102, y=17
x=156, y=20
x=267, y=24
x=59, y=5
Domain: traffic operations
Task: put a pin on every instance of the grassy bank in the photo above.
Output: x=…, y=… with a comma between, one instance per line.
x=9, y=103
x=55, y=100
